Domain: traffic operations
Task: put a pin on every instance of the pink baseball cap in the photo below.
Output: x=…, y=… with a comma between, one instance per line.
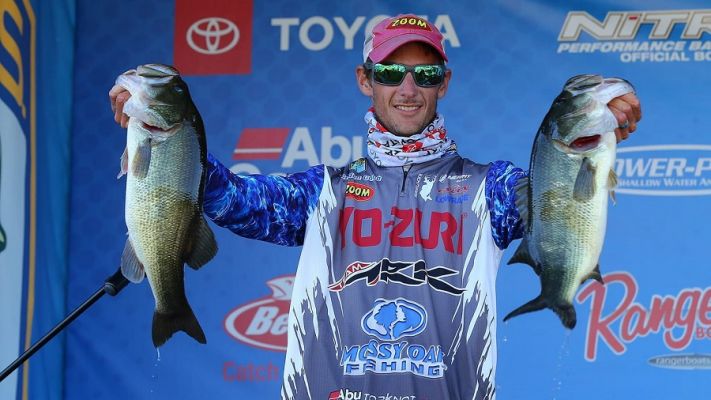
x=394, y=32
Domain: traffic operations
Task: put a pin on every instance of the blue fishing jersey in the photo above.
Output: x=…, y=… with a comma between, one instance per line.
x=394, y=294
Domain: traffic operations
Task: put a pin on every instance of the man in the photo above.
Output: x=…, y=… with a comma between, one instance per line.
x=394, y=293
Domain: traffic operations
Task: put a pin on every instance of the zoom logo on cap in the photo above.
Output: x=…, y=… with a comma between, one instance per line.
x=213, y=38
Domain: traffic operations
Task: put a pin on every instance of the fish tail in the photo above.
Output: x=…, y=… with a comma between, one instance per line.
x=165, y=325
x=536, y=304
x=566, y=312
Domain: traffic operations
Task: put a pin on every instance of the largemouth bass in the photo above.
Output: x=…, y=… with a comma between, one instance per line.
x=164, y=162
x=563, y=203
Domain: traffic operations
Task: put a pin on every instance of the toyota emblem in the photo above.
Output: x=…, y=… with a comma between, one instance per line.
x=213, y=35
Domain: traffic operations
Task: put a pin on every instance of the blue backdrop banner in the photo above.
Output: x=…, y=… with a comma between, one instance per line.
x=275, y=85
x=36, y=67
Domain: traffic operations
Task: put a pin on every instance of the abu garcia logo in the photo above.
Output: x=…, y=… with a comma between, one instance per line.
x=664, y=170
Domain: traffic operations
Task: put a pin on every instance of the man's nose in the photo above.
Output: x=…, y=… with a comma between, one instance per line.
x=408, y=87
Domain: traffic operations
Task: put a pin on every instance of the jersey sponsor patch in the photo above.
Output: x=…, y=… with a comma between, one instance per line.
x=389, y=321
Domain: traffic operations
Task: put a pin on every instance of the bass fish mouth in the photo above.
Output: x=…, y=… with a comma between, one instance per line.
x=158, y=131
x=579, y=145
x=585, y=143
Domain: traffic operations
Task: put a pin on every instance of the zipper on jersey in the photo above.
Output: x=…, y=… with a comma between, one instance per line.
x=405, y=170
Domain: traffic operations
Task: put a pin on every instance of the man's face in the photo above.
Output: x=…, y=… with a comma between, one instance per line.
x=406, y=109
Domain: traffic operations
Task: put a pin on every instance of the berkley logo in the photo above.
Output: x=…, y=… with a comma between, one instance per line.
x=263, y=322
x=359, y=191
x=680, y=318
x=664, y=170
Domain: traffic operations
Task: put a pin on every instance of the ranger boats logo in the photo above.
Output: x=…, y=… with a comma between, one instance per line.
x=263, y=322
x=664, y=170
x=616, y=323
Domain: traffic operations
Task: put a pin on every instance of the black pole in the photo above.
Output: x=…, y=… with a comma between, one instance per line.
x=112, y=286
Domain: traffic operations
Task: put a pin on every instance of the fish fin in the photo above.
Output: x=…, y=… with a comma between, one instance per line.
x=131, y=266
x=165, y=325
x=204, y=246
x=612, y=184
x=536, y=304
x=566, y=313
x=124, y=164
x=142, y=160
x=584, y=188
x=523, y=256
x=595, y=274
x=521, y=190
x=2, y=239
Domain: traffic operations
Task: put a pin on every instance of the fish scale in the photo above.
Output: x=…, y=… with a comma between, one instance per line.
x=563, y=202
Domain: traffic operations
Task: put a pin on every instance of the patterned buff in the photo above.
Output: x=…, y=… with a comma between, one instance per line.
x=389, y=150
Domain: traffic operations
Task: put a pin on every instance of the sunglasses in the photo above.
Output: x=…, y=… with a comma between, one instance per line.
x=425, y=75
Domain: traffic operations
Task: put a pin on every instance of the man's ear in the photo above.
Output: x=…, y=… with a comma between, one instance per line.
x=442, y=90
x=363, y=81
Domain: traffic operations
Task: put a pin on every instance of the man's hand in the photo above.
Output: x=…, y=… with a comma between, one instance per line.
x=119, y=95
x=628, y=112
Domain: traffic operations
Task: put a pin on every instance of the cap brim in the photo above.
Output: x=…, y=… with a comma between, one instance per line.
x=384, y=50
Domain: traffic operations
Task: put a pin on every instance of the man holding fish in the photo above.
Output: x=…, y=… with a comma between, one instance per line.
x=394, y=293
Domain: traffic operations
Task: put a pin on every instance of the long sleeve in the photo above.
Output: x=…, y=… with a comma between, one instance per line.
x=265, y=207
x=506, y=224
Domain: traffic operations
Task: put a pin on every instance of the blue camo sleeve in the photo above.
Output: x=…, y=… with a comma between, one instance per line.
x=506, y=224
x=265, y=207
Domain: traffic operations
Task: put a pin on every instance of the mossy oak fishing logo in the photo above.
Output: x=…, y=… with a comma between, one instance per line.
x=671, y=35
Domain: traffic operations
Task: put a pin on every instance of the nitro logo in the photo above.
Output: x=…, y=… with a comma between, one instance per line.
x=359, y=192
x=262, y=323
x=679, y=317
x=664, y=170
x=622, y=25
x=403, y=228
x=403, y=272
x=617, y=32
